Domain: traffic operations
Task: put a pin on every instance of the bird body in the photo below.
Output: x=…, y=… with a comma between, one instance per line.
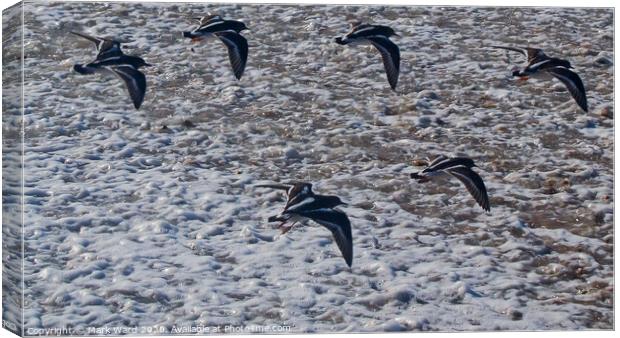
x=361, y=31
x=119, y=60
x=213, y=24
x=111, y=59
x=540, y=65
x=461, y=168
x=379, y=37
x=303, y=204
x=228, y=31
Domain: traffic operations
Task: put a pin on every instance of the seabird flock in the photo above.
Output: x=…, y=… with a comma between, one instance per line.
x=302, y=203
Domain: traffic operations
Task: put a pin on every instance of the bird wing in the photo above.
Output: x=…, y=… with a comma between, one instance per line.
x=440, y=163
x=135, y=82
x=535, y=55
x=209, y=18
x=237, y=50
x=572, y=81
x=437, y=160
x=448, y=163
x=474, y=184
x=338, y=223
x=96, y=40
x=430, y=167
x=299, y=193
x=296, y=192
x=361, y=30
x=514, y=49
x=292, y=188
x=390, y=55
x=104, y=46
x=354, y=24
x=532, y=54
x=274, y=186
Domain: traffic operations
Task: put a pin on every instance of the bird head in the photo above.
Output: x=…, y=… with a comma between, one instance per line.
x=468, y=162
x=335, y=201
x=564, y=64
x=391, y=32
x=142, y=63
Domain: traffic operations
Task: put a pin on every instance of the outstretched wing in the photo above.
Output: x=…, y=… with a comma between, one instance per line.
x=135, y=82
x=274, y=186
x=448, y=163
x=338, y=223
x=237, y=50
x=474, y=184
x=104, y=46
x=535, y=55
x=573, y=83
x=391, y=57
x=532, y=54
x=437, y=160
x=207, y=19
x=292, y=188
x=354, y=25
x=296, y=191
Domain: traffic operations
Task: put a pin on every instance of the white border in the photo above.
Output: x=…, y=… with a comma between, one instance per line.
x=491, y=3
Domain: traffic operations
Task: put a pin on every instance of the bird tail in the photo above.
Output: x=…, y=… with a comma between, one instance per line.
x=516, y=71
x=420, y=178
x=83, y=70
x=276, y=219
x=340, y=41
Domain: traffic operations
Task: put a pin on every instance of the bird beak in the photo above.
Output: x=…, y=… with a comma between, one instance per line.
x=147, y=65
x=396, y=35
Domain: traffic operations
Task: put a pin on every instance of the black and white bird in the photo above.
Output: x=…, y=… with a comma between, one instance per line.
x=543, y=66
x=112, y=59
x=303, y=204
x=378, y=36
x=461, y=168
x=228, y=31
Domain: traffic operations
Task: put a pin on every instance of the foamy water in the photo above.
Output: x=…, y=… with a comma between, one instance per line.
x=141, y=219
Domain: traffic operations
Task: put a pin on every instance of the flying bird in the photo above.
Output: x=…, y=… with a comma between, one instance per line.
x=228, y=31
x=461, y=168
x=303, y=204
x=112, y=59
x=378, y=36
x=541, y=65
